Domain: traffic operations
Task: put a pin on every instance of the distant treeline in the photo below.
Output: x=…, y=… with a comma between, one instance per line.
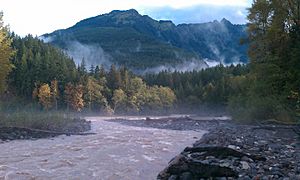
x=211, y=86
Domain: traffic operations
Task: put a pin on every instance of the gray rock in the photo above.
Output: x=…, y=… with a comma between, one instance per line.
x=260, y=171
x=186, y=176
x=289, y=146
x=210, y=157
x=221, y=178
x=233, y=147
x=275, y=147
x=254, y=149
x=245, y=165
x=266, y=167
x=225, y=164
x=298, y=169
x=173, y=177
x=246, y=178
x=206, y=161
x=274, y=169
x=245, y=158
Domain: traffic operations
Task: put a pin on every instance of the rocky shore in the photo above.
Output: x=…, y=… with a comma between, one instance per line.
x=231, y=151
x=74, y=127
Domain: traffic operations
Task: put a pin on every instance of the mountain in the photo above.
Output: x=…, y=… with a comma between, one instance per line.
x=140, y=42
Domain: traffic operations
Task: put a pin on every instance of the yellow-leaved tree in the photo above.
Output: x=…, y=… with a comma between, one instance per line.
x=74, y=96
x=44, y=94
x=6, y=52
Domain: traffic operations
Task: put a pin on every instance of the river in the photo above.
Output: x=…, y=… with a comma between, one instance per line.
x=116, y=151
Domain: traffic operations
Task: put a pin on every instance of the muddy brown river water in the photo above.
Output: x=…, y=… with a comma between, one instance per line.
x=116, y=151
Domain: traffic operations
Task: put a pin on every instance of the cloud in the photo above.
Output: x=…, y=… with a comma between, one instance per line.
x=92, y=54
x=198, y=14
x=48, y=39
x=186, y=66
x=180, y=4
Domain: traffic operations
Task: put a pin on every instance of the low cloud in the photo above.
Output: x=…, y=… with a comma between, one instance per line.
x=191, y=65
x=47, y=39
x=92, y=54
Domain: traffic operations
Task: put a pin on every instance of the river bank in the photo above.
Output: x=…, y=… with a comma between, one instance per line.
x=47, y=129
x=231, y=151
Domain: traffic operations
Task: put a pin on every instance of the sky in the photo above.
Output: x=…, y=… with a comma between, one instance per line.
x=38, y=17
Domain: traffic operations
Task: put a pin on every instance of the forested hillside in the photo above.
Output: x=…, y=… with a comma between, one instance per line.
x=43, y=77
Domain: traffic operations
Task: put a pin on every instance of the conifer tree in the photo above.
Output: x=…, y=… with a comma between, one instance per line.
x=68, y=94
x=54, y=92
x=114, y=78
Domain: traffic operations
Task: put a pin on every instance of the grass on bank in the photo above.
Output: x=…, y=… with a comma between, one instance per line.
x=50, y=121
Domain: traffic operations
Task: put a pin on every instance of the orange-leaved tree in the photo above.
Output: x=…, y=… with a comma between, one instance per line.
x=44, y=95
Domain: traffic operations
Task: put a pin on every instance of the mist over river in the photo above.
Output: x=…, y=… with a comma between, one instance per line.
x=116, y=151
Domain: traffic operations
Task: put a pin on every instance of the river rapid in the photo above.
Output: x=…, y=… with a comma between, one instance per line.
x=116, y=151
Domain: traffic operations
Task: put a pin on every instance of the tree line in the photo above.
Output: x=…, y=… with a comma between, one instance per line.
x=211, y=86
x=43, y=76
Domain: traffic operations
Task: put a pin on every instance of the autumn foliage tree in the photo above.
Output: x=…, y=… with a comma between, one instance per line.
x=93, y=94
x=6, y=52
x=74, y=96
x=119, y=99
x=44, y=95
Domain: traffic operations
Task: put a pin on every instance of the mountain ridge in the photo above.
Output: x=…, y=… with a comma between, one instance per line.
x=159, y=42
